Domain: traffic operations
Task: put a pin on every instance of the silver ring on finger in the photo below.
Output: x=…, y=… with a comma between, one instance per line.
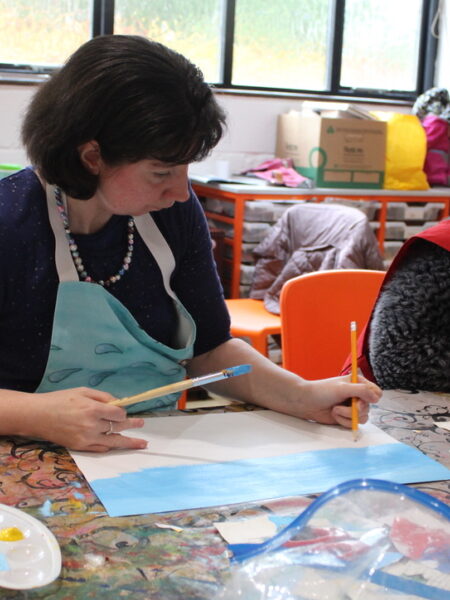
x=110, y=430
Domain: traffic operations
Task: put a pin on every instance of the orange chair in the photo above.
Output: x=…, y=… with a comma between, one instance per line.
x=181, y=405
x=250, y=319
x=316, y=311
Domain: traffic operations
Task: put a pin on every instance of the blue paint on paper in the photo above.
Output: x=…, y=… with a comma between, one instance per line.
x=162, y=489
x=282, y=521
x=4, y=566
x=406, y=586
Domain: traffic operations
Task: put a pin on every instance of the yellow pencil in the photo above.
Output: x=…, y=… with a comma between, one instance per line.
x=355, y=416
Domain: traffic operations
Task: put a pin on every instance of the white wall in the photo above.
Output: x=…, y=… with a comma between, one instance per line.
x=13, y=101
x=250, y=137
x=251, y=131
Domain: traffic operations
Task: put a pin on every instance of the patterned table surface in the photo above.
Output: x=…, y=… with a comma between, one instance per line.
x=134, y=557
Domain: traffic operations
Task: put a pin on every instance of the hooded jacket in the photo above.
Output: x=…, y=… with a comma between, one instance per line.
x=312, y=237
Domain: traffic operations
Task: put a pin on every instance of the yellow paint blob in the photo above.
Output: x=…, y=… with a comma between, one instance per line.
x=75, y=504
x=11, y=534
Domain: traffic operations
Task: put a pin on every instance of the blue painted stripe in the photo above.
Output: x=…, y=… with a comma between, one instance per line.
x=408, y=586
x=163, y=489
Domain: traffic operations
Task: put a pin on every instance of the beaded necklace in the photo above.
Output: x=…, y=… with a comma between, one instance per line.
x=76, y=255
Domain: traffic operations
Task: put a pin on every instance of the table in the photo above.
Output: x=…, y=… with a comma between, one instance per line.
x=132, y=557
x=239, y=194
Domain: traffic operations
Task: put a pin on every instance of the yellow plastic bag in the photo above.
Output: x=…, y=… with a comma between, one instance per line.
x=406, y=148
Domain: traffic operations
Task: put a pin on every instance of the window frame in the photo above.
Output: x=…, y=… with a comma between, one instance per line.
x=103, y=23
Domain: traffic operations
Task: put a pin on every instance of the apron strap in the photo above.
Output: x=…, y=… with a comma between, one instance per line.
x=153, y=239
x=160, y=249
x=63, y=259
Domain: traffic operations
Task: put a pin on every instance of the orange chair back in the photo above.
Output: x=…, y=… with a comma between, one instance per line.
x=316, y=311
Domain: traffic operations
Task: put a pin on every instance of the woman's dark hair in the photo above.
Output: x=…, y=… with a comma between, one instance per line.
x=135, y=97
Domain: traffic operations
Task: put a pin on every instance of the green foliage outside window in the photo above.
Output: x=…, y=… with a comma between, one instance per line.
x=275, y=45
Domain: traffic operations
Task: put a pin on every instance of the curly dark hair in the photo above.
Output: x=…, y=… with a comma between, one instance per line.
x=410, y=327
x=137, y=98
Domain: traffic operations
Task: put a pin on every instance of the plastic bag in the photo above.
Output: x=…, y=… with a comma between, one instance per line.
x=362, y=540
x=406, y=148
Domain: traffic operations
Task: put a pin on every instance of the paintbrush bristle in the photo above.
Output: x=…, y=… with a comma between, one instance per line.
x=238, y=370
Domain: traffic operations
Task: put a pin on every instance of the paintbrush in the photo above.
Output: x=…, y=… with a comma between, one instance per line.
x=185, y=384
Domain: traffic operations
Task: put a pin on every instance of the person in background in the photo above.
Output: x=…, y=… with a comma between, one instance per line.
x=108, y=283
x=406, y=342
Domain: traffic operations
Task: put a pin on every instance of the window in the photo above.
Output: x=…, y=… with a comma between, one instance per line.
x=290, y=53
x=37, y=35
x=192, y=27
x=381, y=44
x=361, y=48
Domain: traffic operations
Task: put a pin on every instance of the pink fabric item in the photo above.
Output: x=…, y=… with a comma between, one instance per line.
x=279, y=172
x=438, y=150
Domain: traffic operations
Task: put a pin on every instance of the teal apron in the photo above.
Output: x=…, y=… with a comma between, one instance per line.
x=96, y=342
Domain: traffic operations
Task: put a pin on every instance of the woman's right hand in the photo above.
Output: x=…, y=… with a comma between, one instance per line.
x=80, y=419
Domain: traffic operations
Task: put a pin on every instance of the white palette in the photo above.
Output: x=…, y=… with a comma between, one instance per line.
x=31, y=562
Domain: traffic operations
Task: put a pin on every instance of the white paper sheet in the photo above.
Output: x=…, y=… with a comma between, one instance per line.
x=210, y=438
x=196, y=461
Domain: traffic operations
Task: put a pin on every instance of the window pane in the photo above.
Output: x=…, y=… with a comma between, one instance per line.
x=193, y=28
x=281, y=44
x=37, y=32
x=381, y=44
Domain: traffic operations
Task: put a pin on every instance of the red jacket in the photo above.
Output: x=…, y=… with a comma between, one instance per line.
x=439, y=235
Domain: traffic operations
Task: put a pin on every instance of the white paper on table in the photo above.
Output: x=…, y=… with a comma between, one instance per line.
x=246, y=531
x=210, y=438
x=197, y=461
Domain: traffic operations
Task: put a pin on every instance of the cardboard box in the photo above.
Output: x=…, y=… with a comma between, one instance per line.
x=333, y=152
